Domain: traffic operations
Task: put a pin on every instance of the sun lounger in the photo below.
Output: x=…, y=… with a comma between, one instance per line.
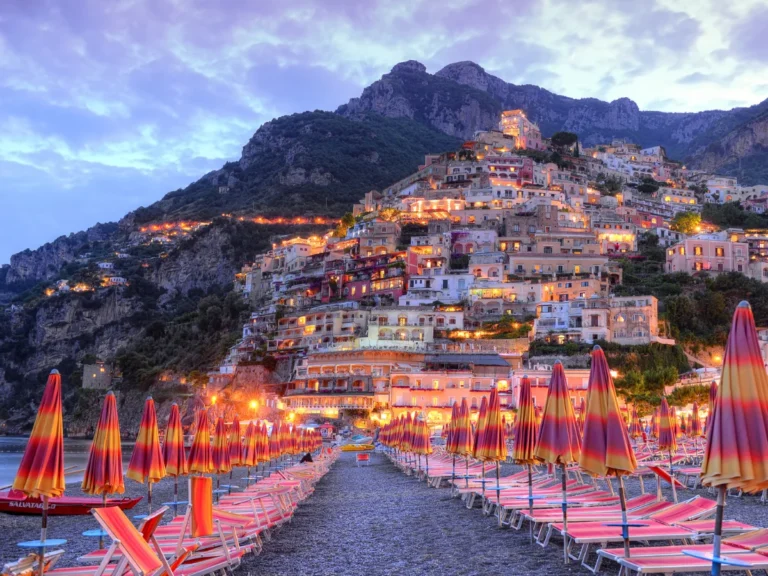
x=689, y=564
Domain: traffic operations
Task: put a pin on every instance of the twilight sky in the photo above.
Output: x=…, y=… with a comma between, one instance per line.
x=107, y=105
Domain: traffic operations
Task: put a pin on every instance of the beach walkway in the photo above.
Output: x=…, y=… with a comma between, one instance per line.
x=375, y=520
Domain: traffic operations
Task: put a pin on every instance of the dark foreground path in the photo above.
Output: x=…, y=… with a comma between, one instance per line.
x=375, y=520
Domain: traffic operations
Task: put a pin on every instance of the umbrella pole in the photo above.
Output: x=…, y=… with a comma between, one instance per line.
x=466, y=471
x=672, y=478
x=229, y=488
x=530, y=499
x=247, y=476
x=565, y=518
x=624, y=527
x=43, y=534
x=498, y=491
x=176, y=495
x=149, y=495
x=716, y=565
x=453, y=475
x=426, y=478
x=101, y=532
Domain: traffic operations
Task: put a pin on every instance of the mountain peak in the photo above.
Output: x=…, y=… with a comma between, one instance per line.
x=467, y=73
x=409, y=66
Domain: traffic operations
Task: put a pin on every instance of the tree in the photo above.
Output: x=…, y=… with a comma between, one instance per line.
x=563, y=140
x=686, y=222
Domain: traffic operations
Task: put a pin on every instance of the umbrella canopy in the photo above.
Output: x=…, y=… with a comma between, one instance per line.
x=41, y=472
x=104, y=471
x=421, y=441
x=667, y=437
x=235, y=444
x=147, y=464
x=635, y=428
x=174, y=455
x=673, y=421
x=736, y=455
x=559, y=441
x=262, y=443
x=712, y=402
x=524, y=450
x=250, y=446
x=275, y=448
x=220, y=453
x=463, y=431
x=200, y=454
x=655, y=423
x=480, y=428
x=493, y=445
x=695, y=427
x=605, y=447
x=450, y=441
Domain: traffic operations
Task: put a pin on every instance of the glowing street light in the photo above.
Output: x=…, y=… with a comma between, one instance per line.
x=213, y=399
x=253, y=404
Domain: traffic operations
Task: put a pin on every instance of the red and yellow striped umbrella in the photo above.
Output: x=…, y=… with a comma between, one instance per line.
x=104, y=470
x=421, y=441
x=406, y=441
x=667, y=437
x=463, y=431
x=480, y=427
x=147, y=464
x=695, y=428
x=737, y=442
x=262, y=437
x=200, y=454
x=274, y=442
x=492, y=442
x=559, y=441
x=655, y=423
x=524, y=448
x=635, y=428
x=235, y=444
x=250, y=446
x=450, y=441
x=41, y=472
x=605, y=447
x=712, y=403
x=220, y=452
x=174, y=455
x=673, y=421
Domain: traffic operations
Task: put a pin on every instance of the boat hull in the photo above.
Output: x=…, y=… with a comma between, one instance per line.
x=62, y=506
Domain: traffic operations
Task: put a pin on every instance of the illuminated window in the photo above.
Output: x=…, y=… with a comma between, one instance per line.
x=697, y=251
x=435, y=384
x=719, y=252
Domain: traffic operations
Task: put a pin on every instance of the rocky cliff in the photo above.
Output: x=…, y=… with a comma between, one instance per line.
x=462, y=98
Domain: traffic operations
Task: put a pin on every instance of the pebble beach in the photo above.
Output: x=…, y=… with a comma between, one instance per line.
x=371, y=520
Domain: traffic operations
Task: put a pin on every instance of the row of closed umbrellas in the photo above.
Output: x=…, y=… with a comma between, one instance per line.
x=736, y=452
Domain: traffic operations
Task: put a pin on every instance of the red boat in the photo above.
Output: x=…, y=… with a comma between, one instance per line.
x=14, y=502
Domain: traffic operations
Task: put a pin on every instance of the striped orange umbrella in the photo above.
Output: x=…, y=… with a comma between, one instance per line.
x=605, y=446
x=250, y=446
x=41, y=472
x=147, y=464
x=220, y=452
x=736, y=455
x=463, y=431
x=274, y=441
x=668, y=436
x=451, y=437
x=420, y=444
x=480, y=426
x=695, y=428
x=104, y=470
x=493, y=443
x=635, y=428
x=262, y=454
x=712, y=403
x=174, y=454
x=200, y=454
x=559, y=442
x=405, y=437
x=655, y=423
x=235, y=444
x=526, y=432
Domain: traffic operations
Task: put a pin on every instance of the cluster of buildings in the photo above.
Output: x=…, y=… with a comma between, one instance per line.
x=435, y=292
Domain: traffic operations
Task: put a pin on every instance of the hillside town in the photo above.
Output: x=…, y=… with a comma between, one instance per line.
x=432, y=290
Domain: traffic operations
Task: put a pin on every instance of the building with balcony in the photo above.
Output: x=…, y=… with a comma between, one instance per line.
x=713, y=253
x=526, y=134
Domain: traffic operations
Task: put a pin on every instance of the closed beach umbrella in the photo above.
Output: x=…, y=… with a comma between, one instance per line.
x=235, y=444
x=41, y=472
x=493, y=441
x=480, y=428
x=635, y=428
x=655, y=423
x=463, y=431
x=104, y=470
x=274, y=442
x=526, y=431
x=220, y=452
x=668, y=437
x=200, y=454
x=736, y=455
x=147, y=464
x=450, y=439
x=559, y=442
x=694, y=429
x=605, y=446
x=262, y=441
x=174, y=454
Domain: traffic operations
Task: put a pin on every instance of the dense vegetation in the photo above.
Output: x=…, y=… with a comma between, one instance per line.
x=731, y=215
x=308, y=164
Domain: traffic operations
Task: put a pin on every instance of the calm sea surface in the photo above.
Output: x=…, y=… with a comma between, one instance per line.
x=75, y=454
